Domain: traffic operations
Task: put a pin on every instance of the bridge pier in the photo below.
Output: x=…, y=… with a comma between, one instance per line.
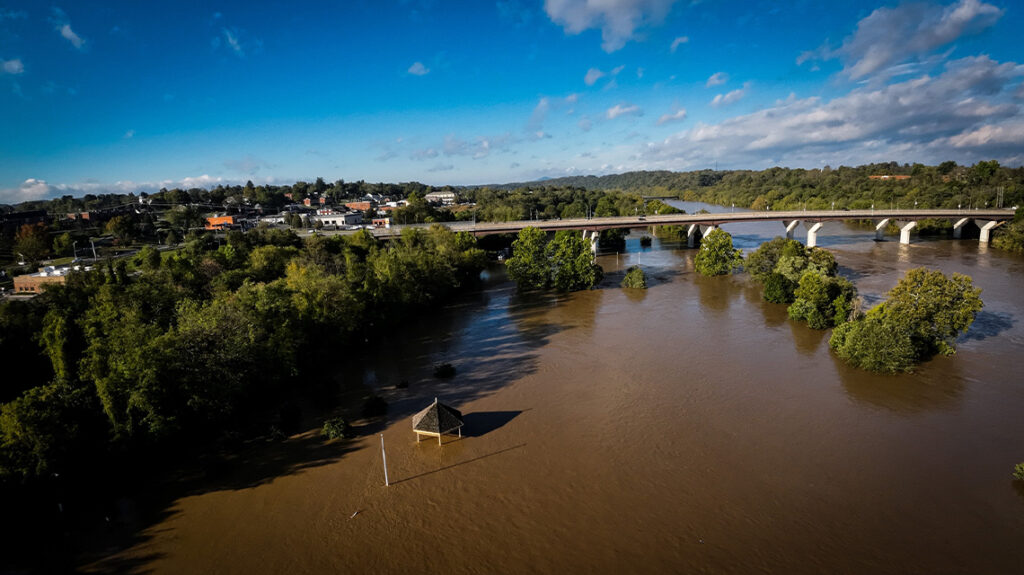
x=812, y=233
x=790, y=228
x=592, y=238
x=880, y=229
x=905, y=232
x=958, y=228
x=986, y=227
x=691, y=231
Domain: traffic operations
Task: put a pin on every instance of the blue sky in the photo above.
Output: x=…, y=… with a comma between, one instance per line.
x=127, y=96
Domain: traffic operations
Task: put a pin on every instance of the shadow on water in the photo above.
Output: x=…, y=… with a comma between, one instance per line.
x=806, y=339
x=716, y=293
x=454, y=465
x=1018, y=486
x=481, y=423
x=988, y=324
x=936, y=385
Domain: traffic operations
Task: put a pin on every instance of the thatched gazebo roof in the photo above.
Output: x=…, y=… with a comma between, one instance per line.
x=437, y=420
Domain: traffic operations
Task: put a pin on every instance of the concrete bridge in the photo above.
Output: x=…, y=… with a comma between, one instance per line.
x=699, y=225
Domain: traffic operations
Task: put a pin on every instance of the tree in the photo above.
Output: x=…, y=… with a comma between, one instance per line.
x=874, y=344
x=572, y=262
x=716, y=255
x=148, y=259
x=32, y=241
x=822, y=301
x=62, y=244
x=635, y=278
x=935, y=308
x=922, y=316
x=123, y=229
x=529, y=266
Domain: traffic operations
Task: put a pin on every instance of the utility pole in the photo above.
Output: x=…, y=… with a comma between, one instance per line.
x=384, y=457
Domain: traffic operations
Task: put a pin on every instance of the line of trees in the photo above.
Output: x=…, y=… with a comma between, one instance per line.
x=922, y=316
x=183, y=348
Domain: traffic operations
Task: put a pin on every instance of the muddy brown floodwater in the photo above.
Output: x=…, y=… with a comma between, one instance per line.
x=691, y=428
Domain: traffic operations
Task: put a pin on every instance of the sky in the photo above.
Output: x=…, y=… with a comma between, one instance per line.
x=129, y=96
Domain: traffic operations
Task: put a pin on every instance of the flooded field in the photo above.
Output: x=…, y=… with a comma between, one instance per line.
x=690, y=428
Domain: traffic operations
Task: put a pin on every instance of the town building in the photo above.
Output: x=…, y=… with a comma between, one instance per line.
x=445, y=198
x=46, y=276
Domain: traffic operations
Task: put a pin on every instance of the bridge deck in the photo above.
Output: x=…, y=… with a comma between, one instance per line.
x=487, y=228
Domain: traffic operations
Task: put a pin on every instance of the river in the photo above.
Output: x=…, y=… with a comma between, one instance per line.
x=689, y=428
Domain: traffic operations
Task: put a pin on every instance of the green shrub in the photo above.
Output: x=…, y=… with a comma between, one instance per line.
x=635, y=278
x=336, y=427
x=1018, y=472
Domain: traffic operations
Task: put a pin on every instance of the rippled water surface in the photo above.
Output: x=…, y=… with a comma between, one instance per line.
x=688, y=428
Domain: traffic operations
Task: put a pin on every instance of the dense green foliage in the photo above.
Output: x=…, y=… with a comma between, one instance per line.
x=337, y=428
x=564, y=263
x=804, y=277
x=1018, y=472
x=1010, y=237
x=944, y=186
x=822, y=301
x=635, y=278
x=922, y=316
x=204, y=342
x=716, y=255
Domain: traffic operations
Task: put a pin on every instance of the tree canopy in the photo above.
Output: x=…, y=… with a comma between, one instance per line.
x=716, y=255
x=922, y=316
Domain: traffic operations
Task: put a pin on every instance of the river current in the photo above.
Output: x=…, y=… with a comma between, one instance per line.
x=688, y=428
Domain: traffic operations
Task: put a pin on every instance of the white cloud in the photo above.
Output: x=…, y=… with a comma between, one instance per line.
x=717, y=79
x=442, y=168
x=585, y=124
x=71, y=36
x=129, y=134
x=617, y=69
x=12, y=66
x=678, y=42
x=424, y=154
x=571, y=99
x=62, y=24
x=966, y=113
x=418, y=69
x=908, y=32
x=540, y=113
x=619, y=110
x=593, y=75
x=231, y=38
x=30, y=189
x=674, y=116
x=730, y=97
x=618, y=20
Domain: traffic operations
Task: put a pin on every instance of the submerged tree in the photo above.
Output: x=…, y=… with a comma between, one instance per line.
x=922, y=316
x=635, y=278
x=716, y=256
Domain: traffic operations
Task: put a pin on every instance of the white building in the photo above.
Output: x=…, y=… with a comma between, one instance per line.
x=446, y=198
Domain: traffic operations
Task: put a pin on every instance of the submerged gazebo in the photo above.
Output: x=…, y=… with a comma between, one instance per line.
x=437, y=420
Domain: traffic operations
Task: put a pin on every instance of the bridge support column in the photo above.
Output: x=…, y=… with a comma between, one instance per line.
x=812, y=233
x=592, y=236
x=705, y=230
x=690, y=233
x=905, y=232
x=958, y=228
x=880, y=229
x=790, y=228
x=986, y=227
